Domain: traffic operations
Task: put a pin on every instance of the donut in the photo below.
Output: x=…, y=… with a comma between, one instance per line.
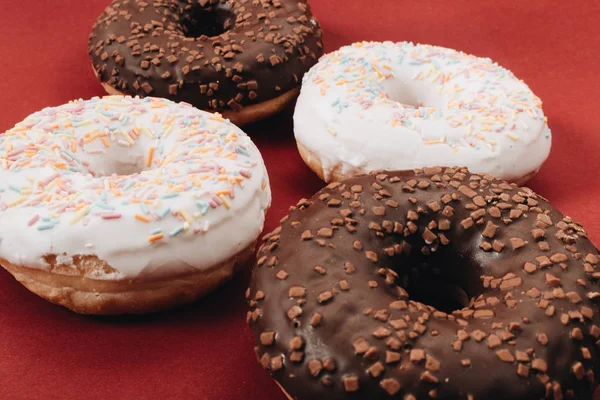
x=244, y=59
x=400, y=106
x=126, y=205
x=437, y=283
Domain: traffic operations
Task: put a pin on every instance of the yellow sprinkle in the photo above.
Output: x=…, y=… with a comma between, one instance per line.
x=79, y=215
x=167, y=131
x=154, y=117
x=512, y=136
x=17, y=201
x=149, y=156
x=154, y=238
x=185, y=216
x=142, y=218
x=331, y=132
x=225, y=202
x=147, y=133
x=127, y=137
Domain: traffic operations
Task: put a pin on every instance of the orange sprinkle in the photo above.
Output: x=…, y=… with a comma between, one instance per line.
x=154, y=238
x=149, y=156
x=105, y=141
x=220, y=192
x=142, y=218
x=195, y=182
x=73, y=146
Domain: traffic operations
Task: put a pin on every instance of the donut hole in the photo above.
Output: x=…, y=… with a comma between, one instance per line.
x=443, y=296
x=115, y=165
x=208, y=20
x=436, y=281
x=413, y=94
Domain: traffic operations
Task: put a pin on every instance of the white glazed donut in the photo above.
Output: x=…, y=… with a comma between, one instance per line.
x=123, y=204
x=400, y=106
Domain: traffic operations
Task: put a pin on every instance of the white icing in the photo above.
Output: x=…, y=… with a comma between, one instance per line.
x=197, y=156
x=359, y=109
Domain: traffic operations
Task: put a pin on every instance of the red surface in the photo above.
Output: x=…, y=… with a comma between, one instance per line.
x=204, y=351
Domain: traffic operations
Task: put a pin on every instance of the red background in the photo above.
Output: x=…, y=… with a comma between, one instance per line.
x=204, y=351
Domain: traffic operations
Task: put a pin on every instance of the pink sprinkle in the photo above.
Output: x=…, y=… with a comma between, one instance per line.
x=33, y=220
x=50, y=179
x=111, y=216
x=14, y=152
x=245, y=173
x=95, y=151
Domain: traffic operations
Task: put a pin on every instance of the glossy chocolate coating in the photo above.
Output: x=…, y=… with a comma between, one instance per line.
x=334, y=295
x=214, y=54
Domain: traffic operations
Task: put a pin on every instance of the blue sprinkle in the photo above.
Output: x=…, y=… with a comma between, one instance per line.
x=164, y=212
x=169, y=195
x=128, y=185
x=176, y=231
x=155, y=231
x=238, y=149
x=2, y=190
x=124, y=203
x=15, y=188
x=203, y=206
x=43, y=227
x=105, y=206
x=144, y=208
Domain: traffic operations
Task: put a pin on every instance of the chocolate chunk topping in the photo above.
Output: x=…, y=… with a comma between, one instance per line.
x=431, y=291
x=212, y=54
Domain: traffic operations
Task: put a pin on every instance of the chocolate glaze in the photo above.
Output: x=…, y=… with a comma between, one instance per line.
x=333, y=295
x=141, y=47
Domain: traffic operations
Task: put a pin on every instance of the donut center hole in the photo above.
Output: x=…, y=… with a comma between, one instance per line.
x=441, y=295
x=414, y=94
x=443, y=280
x=113, y=163
x=208, y=20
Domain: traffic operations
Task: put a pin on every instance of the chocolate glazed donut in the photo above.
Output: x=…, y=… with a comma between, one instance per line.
x=219, y=55
x=433, y=284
